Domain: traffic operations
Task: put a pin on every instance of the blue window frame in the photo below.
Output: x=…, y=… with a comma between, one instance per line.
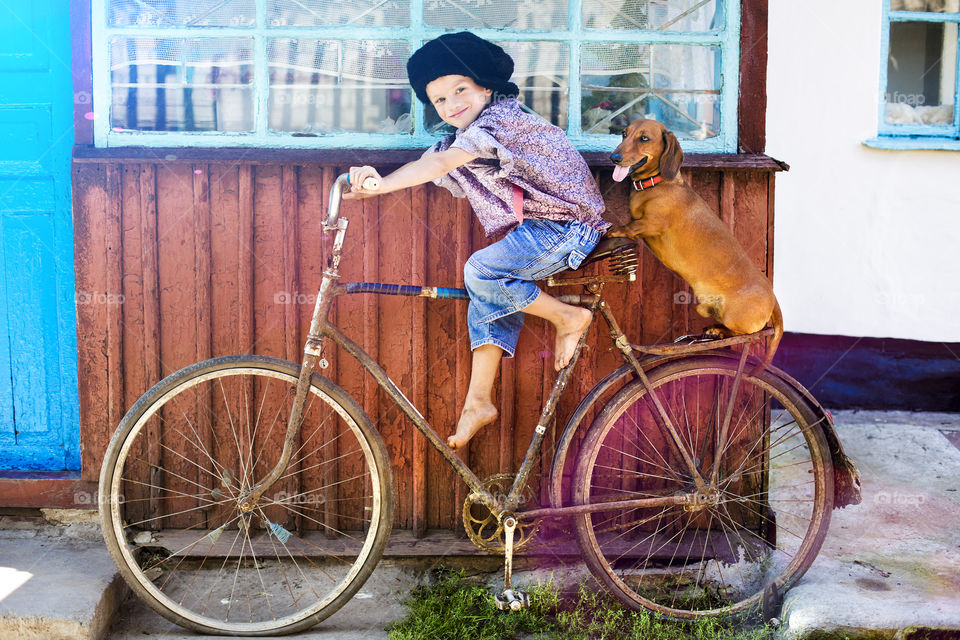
x=331, y=74
x=920, y=77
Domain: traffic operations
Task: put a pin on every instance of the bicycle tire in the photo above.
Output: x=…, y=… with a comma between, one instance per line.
x=187, y=450
x=762, y=533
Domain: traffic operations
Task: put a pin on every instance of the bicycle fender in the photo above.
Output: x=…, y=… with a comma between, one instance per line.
x=847, y=489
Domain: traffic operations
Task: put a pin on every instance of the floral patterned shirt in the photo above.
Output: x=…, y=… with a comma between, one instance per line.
x=514, y=147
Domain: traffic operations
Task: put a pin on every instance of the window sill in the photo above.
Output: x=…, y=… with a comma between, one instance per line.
x=902, y=143
x=387, y=157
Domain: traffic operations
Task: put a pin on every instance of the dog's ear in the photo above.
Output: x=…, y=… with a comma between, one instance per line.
x=672, y=156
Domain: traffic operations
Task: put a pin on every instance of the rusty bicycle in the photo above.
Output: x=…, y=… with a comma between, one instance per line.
x=701, y=486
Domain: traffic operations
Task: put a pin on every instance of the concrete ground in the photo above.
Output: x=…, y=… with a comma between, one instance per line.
x=890, y=567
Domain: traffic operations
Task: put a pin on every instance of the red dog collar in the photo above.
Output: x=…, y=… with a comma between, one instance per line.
x=646, y=183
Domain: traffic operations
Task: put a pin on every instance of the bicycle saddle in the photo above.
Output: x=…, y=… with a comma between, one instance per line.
x=615, y=248
x=623, y=256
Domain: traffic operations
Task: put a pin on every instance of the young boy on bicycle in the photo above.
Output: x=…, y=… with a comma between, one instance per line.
x=524, y=179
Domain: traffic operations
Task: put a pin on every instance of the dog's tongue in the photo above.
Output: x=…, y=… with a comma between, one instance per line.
x=619, y=173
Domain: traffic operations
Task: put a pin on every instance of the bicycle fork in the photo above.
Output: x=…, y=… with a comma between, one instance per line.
x=312, y=354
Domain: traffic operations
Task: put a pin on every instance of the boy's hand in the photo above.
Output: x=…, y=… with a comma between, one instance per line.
x=361, y=185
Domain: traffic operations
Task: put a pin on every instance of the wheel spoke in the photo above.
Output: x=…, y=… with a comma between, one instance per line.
x=713, y=555
x=194, y=445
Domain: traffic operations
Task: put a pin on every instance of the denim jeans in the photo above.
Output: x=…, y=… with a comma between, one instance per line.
x=500, y=278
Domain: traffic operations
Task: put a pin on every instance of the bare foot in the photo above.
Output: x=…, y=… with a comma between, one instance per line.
x=568, y=335
x=474, y=416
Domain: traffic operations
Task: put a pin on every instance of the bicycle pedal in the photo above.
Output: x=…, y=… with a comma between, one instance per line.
x=512, y=600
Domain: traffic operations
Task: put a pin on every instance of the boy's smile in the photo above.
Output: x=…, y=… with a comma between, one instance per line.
x=457, y=99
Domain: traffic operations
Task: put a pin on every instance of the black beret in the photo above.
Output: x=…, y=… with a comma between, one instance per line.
x=462, y=54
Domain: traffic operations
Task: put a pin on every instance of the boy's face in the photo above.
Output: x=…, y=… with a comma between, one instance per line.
x=457, y=99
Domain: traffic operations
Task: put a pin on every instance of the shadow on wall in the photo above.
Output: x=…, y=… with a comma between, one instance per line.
x=874, y=373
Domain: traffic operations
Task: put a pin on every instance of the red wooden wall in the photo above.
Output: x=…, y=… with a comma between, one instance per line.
x=186, y=260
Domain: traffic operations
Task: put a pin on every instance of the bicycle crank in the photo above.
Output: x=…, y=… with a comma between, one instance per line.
x=510, y=598
x=485, y=529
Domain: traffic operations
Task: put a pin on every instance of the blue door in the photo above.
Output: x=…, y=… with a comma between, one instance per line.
x=39, y=422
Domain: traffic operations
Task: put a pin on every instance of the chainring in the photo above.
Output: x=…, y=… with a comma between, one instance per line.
x=484, y=528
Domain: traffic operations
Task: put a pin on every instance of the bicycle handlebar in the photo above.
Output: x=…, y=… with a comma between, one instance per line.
x=336, y=194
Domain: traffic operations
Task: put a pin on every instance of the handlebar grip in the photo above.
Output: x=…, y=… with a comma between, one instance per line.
x=336, y=192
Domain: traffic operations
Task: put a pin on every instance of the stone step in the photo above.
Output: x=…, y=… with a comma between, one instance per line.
x=56, y=588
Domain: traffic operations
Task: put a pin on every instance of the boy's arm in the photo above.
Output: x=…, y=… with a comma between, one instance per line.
x=426, y=169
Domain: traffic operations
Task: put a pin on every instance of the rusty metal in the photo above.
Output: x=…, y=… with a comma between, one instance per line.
x=599, y=279
x=546, y=417
x=672, y=349
x=502, y=510
x=640, y=503
x=620, y=339
x=486, y=529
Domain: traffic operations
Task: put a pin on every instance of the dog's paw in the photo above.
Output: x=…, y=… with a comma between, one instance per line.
x=717, y=332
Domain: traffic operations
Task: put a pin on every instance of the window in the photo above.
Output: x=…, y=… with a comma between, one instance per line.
x=919, y=83
x=328, y=73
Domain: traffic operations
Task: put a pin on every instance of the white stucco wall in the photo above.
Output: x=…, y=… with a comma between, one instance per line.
x=867, y=241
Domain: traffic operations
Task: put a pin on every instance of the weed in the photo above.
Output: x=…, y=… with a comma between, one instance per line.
x=454, y=609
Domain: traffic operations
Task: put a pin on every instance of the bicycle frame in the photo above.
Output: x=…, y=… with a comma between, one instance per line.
x=320, y=329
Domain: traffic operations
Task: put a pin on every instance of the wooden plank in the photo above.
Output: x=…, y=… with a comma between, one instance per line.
x=245, y=260
x=394, y=230
x=335, y=158
x=429, y=351
x=114, y=312
x=176, y=238
x=205, y=473
x=752, y=106
x=750, y=225
x=418, y=353
x=289, y=231
x=443, y=317
x=451, y=507
x=150, y=261
x=132, y=253
x=90, y=259
x=47, y=490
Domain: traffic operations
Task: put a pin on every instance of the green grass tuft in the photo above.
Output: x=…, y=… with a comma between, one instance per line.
x=452, y=608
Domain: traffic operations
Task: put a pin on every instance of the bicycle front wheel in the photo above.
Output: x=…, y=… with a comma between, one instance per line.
x=186, y=453
x=755, y=530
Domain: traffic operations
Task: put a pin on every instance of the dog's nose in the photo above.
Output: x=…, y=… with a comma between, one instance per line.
x=616, y=158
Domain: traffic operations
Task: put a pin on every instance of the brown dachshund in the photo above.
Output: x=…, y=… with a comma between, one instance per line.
x=689, y=238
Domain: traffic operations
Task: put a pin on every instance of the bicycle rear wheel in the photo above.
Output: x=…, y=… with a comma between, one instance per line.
x=758, y=530
x=192, y=446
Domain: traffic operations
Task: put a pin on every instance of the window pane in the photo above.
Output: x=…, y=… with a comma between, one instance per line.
x=496, y=14
x=541, y=70
x=181, y=84
x=660, y=15
x=678, y=85
x=936, y=6
x=323, y=86
x=921, y=73
x=367, y=13
x=182, y=13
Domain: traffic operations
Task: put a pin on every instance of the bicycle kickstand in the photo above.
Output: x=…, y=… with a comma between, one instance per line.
x=510, y=598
